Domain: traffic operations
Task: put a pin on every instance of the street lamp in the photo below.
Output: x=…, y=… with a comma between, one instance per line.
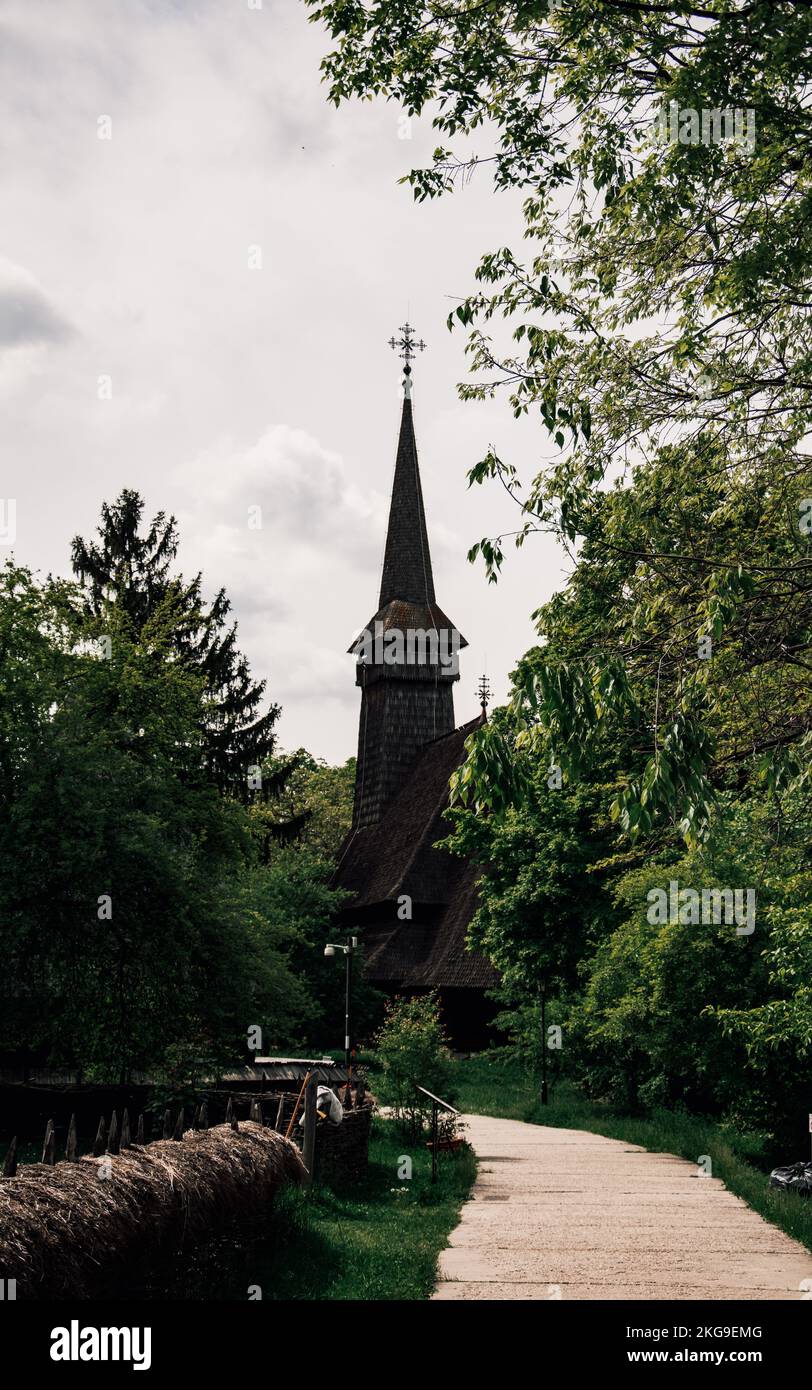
x=347, y=948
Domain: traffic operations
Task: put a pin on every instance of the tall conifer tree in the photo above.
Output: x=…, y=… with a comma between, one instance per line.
x=133, y=569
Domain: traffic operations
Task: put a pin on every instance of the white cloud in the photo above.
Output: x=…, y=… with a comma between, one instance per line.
x=27, y=316
x=282, y=509
x=222, y=137
x=303, y=490
x=281, y=525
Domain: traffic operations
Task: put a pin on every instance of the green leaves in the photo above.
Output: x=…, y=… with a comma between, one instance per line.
x=674, y=303
x=127, y=572
x=657, y=326
x=675, y=782
x=105, y=800
x=491, y=552
x=726, y=590
x=492, y=777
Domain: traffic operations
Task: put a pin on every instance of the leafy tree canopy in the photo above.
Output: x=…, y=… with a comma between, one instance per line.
x=137, y=917
x=657, y=324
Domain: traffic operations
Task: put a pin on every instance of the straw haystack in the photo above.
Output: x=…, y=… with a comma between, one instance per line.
x=66, y=1230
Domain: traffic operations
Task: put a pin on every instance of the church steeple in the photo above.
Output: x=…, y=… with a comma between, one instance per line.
x=407, y=655
x=407, y=562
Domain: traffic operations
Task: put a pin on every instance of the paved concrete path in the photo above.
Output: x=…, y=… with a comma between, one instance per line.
x=560, y=1213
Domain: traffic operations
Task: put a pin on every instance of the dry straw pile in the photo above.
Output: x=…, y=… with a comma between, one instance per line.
x=65, y=1231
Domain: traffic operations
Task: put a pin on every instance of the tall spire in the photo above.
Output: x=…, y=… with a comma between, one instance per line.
x=406, y=657
x=407, y=563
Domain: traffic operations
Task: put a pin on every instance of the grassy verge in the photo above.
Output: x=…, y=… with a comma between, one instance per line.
x=376, y=1241
x=495, y=1087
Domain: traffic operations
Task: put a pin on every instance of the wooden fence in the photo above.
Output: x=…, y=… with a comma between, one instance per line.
x=292, y=1114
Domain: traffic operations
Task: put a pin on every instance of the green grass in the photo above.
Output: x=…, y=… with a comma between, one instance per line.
x=495, y=1087
x=378, y=1240
x=374, y=1240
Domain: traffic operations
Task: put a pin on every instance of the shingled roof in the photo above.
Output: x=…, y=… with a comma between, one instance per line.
x=431, y=956
x=408, y=749
x=405, y=616
x=407, y=598
x=407, y=563
x=380, y=863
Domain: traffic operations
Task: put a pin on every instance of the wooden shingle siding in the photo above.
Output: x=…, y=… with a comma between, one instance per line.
x=408, y=748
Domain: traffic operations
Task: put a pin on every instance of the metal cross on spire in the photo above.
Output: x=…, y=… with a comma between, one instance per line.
x=407, y=348
x=484, y=694
x=406, y=344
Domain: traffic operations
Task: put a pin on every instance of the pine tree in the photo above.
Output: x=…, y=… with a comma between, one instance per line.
x=134, y=571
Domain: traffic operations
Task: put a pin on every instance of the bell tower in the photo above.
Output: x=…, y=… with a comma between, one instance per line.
x=407, y=656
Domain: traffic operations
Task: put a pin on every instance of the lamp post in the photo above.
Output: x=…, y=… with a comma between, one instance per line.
x=348, y=948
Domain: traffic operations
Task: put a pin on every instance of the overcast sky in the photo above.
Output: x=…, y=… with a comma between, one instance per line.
x=235, y=386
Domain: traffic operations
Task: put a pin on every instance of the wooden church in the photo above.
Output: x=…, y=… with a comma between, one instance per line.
x=411, y=903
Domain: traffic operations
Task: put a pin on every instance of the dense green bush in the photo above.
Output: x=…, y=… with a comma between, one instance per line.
x=411, y=1051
